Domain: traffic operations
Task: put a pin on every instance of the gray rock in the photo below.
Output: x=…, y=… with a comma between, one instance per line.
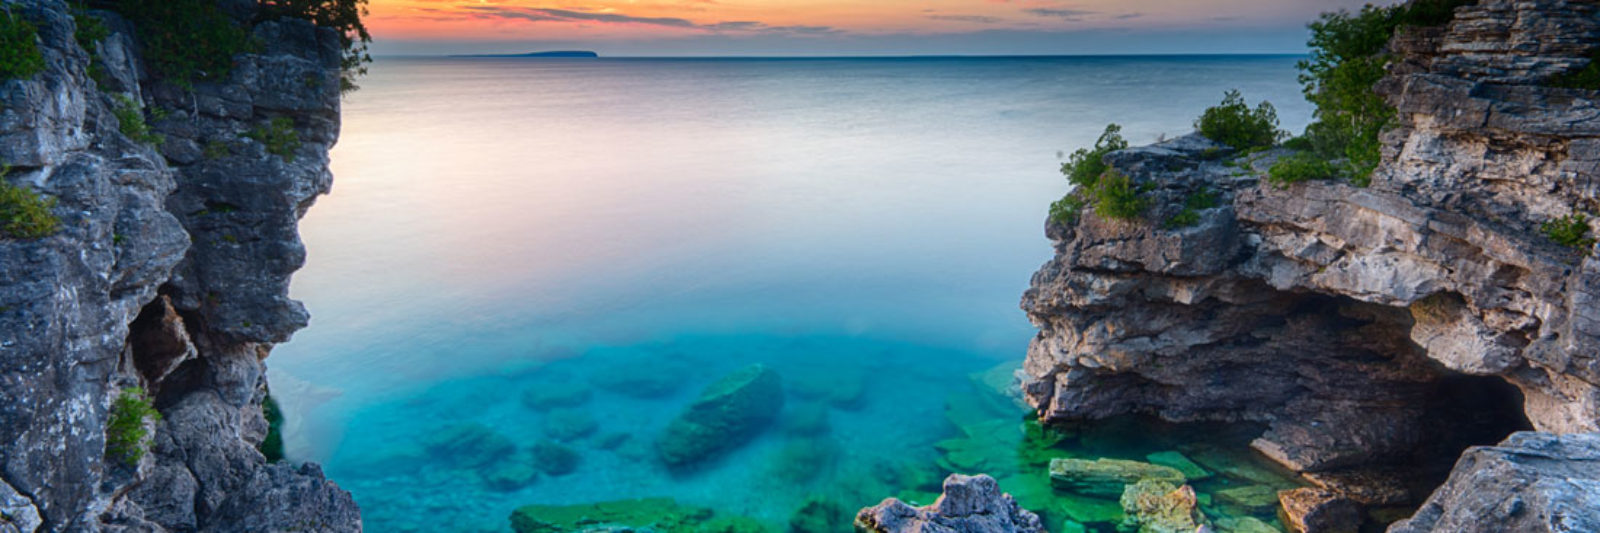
x=135, y=289
x=970, y=504
x=1336, y=315
x=1531, y=482
x=727, y=414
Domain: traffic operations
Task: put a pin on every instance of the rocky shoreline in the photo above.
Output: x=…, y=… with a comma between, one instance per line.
x=168, y=277
x=1376, y=331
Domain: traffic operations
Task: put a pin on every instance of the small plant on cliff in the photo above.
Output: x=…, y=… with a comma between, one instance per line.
x=25, y=214
x=279, y=136
x=1115, y=197
x=1086, y=165
x=343, y=16
x=186, y=40
x=1571, y=231
x=1233, y=123
x=1347, y=60
x=1196, y=202
x=272, y=445
x=1068, y=208
x=1300, y=167
x=88, y=29
x=1587, y=78
x=128, y=431
x=19, y=47
x=130, y=120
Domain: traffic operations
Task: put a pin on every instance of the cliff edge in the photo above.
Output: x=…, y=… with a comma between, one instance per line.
x=1376, y=331
x=166, y=280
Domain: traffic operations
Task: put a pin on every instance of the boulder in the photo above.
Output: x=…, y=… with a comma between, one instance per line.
x=554, y=458
x=567, y=425
x=1253, y=497
x=727, y=414
x=641, y=515
x=547, y=396
x=1107, y=477
x=970, y=504
x=469, y=445
x=1531, y=482
x=1313, y=510
x=1157, y=506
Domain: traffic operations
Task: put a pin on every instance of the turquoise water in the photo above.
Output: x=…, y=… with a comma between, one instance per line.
x=865, y=227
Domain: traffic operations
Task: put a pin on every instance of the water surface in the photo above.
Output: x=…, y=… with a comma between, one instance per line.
x=501, y=225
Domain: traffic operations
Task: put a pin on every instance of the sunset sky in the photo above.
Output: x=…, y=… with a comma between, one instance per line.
x=844, y=27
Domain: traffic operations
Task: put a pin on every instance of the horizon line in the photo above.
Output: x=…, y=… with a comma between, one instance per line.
x=521, y=55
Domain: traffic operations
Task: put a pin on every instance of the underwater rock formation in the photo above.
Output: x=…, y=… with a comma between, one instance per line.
x=169, y=272
x=1155, y=506
x=661, y=515
x=1530, y=482
x=1371, y=329
x=727, y=414
x=970, y=504
x=1107, y=477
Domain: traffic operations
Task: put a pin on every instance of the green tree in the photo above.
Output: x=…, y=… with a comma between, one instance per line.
x=1233, y=123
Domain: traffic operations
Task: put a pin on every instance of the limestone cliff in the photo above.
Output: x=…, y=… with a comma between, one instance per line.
x=1372, y=330
x=169, y=272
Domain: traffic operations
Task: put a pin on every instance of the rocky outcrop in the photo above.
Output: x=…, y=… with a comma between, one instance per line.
x=170, y=273
x=970, y=504
x=1530, y=482
x=1371, y=329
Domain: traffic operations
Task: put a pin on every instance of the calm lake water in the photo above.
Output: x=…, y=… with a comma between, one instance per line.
x=578, y=227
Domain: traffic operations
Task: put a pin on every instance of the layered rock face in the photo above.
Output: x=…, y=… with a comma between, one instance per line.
x=1369, y=328
x=170, y=273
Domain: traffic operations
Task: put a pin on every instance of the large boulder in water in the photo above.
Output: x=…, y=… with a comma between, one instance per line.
x=727, y=415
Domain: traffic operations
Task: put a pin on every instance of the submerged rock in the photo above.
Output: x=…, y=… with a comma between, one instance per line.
x=802, y=459
x=468, y=445
x=644, y=378
x=727, y=415
x=1192, y=471
x=1531, y=482
x=970, y=504
x=547, y=396
x=1156, y=506
x=554, y=458
x=819, y=515
x=660, y=515
x=1107, y=477
x=569, y=424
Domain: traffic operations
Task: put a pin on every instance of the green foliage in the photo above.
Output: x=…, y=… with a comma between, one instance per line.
x=1571, y=230
x=217, y=149
x=1196, y=202
x=1347, y=60
x=343, y=16
x=19, y=47
x=1587, y=78
x=1233, y=123
x=89, y=30
x=127, y=432
x=187, y=40
x=25, y=214
x=1087, y=164
x=130, y=120
x=1299, y=144
x=272, y=446
x=1116, y=198
x=279, y=136
x=1303, y=166
x=1068, y=208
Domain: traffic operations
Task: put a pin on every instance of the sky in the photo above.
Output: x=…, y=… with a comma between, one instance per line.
x=844, y=27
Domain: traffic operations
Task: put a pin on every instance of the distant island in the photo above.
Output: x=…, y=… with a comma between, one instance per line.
x=559, y=53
